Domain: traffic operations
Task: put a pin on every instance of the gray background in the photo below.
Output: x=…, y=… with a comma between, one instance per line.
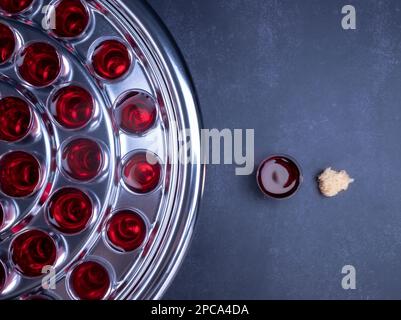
x=326, y=96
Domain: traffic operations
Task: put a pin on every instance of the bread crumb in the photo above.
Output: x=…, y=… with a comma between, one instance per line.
x=332, y=182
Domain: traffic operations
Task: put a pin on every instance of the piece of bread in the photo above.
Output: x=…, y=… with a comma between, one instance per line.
x=332, y=182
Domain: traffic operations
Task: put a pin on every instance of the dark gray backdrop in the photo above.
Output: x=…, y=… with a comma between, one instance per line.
x=321, y=94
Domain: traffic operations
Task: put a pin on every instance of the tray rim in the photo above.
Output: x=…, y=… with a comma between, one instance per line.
x=173, y=250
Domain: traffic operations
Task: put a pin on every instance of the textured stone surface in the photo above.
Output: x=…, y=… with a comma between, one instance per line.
x=288, y=70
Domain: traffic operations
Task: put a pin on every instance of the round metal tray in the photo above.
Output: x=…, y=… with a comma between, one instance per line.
x=169, y=211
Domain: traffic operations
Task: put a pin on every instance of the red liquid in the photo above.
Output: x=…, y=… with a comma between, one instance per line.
x=39, y=64
x=72, y=18
x=279, y=177
x=72, y=107
x=20, y=174
x=15, y=6
x=31, y=251
x=15, y=119
x=126, y=230
x=90, y=281
x=111, y=60
x=70, y=210
x=136, y=113
x=7, y=43
x=140, y=175
x=83, y=159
